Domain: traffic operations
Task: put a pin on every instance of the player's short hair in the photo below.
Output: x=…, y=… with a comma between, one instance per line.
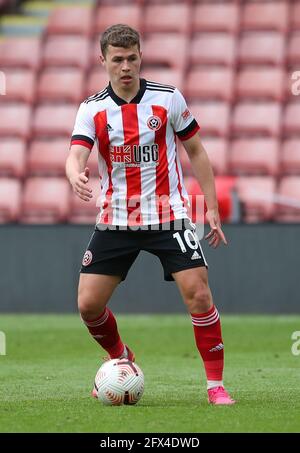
x=119, y=35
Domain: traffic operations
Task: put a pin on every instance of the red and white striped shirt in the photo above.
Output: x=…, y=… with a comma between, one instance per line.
x=141, y=175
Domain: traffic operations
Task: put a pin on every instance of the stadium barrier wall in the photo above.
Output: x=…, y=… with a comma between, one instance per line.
x=258, y=272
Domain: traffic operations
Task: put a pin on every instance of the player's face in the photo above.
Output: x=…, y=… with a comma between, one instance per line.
x=123, y=66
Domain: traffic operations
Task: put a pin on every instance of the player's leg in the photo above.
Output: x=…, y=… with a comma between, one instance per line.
x=194, y=288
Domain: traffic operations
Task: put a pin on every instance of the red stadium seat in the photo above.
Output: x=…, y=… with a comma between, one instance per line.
x=164, y=75
x=67, y=51
x=213, y=48
x=217, y=150
x=288, y=200
x=16, y=80
x=167, y=18
x=86, y=211
x=15, y=120
x=262, y=48
x=222, y=17
x=291, y=124
x=210, y=83
x=256, y=156
x=224, y=187
x=271, y=15
x=12, y=157
x=20, y=52
x=119, y=14
x=60, y=84
x=293, y=50
x=295, y=15
x=256, y=194
x=290, y=156
x=70, y=20
x=46, y=200
x=97, y=81
x=48, y=158
x=257, y=83
x=261, y=118
x=168, y=49
x=206, y=115
x=51, y=121
x=10, y=200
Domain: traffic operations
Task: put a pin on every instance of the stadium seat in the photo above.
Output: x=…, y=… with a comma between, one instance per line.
x=67, y=51
x=293, y=49
x=291, y=124
x=169, y=49
x=20, y=52
x=213, y=48
x=255, y=156
x=217, y=150
x=261, y=84
x=15, y=120
x=164, y=75
x=118, y=14
x=48, y=157
x=74, y=20
x=225, y=185
x=261, y=118
x=206, y=114
x=221, y=17
x=60, y=84
x=290, y=156
x=215, y=83
x=16, y=80
x=288, y=200
x=45, y=200
x=256, y=194
x=51, y=121
x=261, y=48
x=10, y=200
x=12, y=157
x=97, y=81
x=167, y=18
x=86, y=211
x=270, y=15
x=295, y=15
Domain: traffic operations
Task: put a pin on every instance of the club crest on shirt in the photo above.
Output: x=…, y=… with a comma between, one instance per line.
x=154, y=123
x=87, y=258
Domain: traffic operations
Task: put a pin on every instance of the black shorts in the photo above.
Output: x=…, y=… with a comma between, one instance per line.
x=112, y=252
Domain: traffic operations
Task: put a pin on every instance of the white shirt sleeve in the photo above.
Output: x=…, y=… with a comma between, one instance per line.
x=84, y=130
x=182, y=120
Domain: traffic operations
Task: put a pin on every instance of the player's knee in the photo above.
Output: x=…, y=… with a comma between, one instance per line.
x=88, y=306
x=199, y=300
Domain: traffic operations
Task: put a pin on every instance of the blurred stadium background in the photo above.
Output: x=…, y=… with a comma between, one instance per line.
x=237, y=63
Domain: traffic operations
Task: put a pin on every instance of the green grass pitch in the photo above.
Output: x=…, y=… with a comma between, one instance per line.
x=47, y=373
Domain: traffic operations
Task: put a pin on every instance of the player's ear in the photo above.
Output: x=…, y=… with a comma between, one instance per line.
x=102, y=59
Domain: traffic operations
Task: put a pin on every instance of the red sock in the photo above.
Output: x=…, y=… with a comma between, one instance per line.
x=208, y=337
x=105, y=331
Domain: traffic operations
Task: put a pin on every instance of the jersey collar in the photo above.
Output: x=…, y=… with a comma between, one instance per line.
x=135, y=100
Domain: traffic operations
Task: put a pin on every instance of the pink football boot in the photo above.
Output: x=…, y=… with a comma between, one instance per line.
x=218, y=396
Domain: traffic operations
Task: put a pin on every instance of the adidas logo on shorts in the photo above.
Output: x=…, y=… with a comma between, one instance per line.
x=195, y=256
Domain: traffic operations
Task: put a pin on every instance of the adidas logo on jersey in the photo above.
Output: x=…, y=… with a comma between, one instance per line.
x=219, y=347
x=195, y=256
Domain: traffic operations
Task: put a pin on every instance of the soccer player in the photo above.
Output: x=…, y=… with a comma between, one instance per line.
x=143, y=199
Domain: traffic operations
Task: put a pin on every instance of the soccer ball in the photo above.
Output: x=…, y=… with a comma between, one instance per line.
x=119, y=381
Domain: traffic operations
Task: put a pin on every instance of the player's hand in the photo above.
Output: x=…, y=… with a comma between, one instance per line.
x=216, y=234
x=80, y=186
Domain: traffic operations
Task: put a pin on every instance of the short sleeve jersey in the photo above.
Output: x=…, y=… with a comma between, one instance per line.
x=141, y=175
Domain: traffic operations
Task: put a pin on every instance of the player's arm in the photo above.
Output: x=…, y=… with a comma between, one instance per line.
x=77, y=172
x=203, y=171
